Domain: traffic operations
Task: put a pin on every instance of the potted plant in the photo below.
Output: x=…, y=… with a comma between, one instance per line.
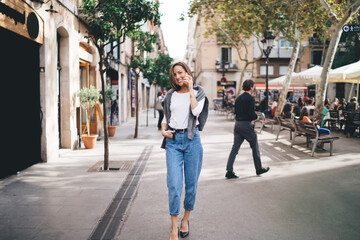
x=88, y=98
x=109, y=99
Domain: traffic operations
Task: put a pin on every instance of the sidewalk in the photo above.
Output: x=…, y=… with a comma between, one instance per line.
x=300, y=198
x=62, y=199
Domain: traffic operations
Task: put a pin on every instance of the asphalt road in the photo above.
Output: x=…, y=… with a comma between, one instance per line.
x=302, y=197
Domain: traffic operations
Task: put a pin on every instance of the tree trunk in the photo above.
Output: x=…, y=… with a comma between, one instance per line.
x=106, y=137
x=137, y=106
x=335, y=38
x=284, y=91
x=147, y=106
x=241, y=78
x=88, y=120
x=321, y=91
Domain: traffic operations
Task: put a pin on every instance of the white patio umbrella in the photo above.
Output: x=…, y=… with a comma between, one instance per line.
x=308, y=76
x=348, y=73
x=281, y=80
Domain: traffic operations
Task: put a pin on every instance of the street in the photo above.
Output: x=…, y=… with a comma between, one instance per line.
x=299, y=198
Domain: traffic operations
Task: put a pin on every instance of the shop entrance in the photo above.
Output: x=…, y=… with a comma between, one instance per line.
x=22, y=116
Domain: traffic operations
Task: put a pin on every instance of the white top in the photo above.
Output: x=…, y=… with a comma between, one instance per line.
x=179, y=107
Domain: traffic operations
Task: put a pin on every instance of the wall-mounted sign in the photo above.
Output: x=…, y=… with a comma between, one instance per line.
x=351, y=28
x=19, y=17
x=228, y=88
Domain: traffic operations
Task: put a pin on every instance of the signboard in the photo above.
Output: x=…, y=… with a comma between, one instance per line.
x=351, y=28
x=229, y=89
x=20, y=18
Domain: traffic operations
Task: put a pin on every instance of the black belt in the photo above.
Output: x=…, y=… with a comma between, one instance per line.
x=178, y=130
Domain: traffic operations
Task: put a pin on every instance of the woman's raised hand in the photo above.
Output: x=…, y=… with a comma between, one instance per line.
x=188, y=80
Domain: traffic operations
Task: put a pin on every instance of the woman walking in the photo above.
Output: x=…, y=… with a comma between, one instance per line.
x=185, y=114
x=159, y=107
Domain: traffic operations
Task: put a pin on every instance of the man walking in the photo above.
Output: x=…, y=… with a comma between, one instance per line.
x=245, y=113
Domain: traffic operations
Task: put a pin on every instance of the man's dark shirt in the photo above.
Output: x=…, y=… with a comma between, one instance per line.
x=245, y=108
x=296, y=110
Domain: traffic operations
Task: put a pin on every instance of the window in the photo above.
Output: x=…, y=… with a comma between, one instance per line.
x=283, y=70
x=263, y=70
x=226, y=55
x=286, y=44
x=316, y=57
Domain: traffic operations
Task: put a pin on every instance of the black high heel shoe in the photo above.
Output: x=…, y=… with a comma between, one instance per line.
x=185, y=234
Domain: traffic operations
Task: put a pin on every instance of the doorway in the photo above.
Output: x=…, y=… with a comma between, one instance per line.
x=20, y=75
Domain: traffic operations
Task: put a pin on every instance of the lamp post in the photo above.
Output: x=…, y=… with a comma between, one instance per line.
x=267, y=42
x=224, y=68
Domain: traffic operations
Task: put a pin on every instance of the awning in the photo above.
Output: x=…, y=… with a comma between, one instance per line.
x=349, y=73
x=308, y=76
x=262, y=86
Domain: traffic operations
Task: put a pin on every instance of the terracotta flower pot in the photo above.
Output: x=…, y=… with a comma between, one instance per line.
x=111, y=130
x=89, y=141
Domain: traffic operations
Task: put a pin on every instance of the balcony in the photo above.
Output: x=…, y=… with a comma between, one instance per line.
x=316, y=42
x=231, y=67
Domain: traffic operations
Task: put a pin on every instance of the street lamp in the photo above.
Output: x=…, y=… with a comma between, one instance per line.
x=224, y=67
x=267, y=42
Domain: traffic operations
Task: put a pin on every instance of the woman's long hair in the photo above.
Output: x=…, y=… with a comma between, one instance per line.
x=172, y=78
x=304, y=112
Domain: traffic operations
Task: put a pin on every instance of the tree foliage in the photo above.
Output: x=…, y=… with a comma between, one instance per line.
x=159, y=70
x=109, y=22
x=338, y=14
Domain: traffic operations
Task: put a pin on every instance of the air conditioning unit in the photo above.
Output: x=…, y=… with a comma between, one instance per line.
x=233, y=65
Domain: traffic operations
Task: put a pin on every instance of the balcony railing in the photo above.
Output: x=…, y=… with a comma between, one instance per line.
x=233, y=66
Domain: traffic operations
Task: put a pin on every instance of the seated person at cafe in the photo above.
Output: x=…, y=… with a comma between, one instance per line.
x=325, y=112
x=287, y=111
x=351, y=106
x=296, y=108
x=304, y=116
x=310, y=107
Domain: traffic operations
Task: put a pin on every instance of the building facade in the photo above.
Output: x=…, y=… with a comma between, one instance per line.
x=46, y=58
x=205, y=56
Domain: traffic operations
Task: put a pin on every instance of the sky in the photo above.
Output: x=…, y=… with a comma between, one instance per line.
x=175, y=32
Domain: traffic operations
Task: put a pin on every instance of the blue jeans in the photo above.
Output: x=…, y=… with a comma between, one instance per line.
x=183, y=157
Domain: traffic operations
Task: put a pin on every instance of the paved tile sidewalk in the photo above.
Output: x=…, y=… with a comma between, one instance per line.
x=62, y=199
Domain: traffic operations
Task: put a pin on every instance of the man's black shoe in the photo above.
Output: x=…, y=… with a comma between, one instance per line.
x=263, y=170
x=230, y=175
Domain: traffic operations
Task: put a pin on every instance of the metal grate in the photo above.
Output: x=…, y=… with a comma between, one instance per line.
x=114, y=166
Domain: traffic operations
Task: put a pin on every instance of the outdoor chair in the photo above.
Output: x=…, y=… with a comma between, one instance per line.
x=352, y=123
x=334, y=119
x=310, y=131
x=262, y=121
x=285, y=124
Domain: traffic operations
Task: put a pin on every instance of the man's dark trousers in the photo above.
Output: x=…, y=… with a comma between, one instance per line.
x=244, y=130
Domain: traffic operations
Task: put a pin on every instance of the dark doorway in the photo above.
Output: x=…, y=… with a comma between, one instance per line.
x=311, y=91
x=19, y=65
x=340, y=90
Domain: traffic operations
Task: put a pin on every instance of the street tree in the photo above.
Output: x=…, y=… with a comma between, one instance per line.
x=140, y=64
x=158, y=73
x=108, y=23
x=339, y=14
x=294, y=20
x=234, y=23
x=241, y=21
